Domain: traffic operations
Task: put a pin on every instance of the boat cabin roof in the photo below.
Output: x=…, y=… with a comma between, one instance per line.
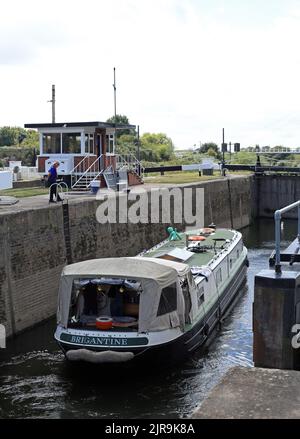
x=154, y=275
x=178, y=250
x=161, y=271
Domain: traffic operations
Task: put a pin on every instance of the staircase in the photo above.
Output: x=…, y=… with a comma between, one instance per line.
x=110, y=178
x=84, y=173
x=90, y=169
x=132, y=165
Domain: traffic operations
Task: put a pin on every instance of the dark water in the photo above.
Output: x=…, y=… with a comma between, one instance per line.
x=36, y=382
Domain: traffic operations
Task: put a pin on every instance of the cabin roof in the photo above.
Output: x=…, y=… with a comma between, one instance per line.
x=162, y=271
x=177, y=249
x=119, y=126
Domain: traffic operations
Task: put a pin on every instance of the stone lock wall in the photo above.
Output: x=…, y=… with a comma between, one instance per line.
x=36, y=244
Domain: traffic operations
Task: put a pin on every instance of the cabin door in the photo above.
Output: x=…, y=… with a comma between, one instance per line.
x=99, y=145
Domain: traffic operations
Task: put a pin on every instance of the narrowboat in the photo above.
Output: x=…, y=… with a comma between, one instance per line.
x=159, y=306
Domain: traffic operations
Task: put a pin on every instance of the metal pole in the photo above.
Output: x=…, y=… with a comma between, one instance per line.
x=53, y=103
x=138, y=143
x=115, y=107
x=277, y=217
x=299, y=223
x=223, y=144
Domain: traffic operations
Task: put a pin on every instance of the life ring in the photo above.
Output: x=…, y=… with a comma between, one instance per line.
x=104, y=323
x=196, y=238
x=206, y=231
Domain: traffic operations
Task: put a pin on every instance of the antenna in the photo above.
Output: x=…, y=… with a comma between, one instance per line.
x=53, y=103
x=115, y=106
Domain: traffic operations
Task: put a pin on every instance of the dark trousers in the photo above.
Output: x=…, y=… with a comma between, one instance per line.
x=53, y=192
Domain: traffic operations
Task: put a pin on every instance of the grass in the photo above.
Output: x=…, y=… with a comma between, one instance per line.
x=25, y=192
x=179, y=177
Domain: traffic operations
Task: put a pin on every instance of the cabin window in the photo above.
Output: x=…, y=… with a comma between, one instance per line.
x=219, y=276
x=110, y=143
x=200, y=296
x=168, y=300
x=71, y=143
x=187, y=299
x=89, y=143
x=237, y=254
x=51, y=143
x=230, y=264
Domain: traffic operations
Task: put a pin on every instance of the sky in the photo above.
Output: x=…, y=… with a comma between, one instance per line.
x=187, y=68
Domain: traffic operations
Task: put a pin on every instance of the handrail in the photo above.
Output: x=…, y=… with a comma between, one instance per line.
x=131, y=162
x=78, y=164
x=89, y=170
x=79, y=168
x=59, y=185
x=277, y=218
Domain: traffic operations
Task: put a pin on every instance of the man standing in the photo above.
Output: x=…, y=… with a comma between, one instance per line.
x=52, y=177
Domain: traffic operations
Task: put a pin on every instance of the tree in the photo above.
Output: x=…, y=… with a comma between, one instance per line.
x=156, y=147
x=9, y=135
x=120, y=119
x=212, y=153
x=32, y=139
x=205, y=147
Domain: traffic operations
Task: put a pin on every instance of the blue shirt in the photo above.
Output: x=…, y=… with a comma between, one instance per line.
x=53, y=175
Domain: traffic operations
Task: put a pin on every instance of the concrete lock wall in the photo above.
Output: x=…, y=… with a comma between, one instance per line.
x=274, y=192
x=36, y=244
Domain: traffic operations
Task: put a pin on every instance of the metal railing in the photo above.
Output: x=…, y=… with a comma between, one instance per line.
x=277, y=216
x=131, y=163
x=93, y=171
x=59, y=186
x=80, y=168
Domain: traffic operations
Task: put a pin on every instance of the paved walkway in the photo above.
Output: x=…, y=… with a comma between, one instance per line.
x=39, y=202
x=42, y=201
x=254, y=393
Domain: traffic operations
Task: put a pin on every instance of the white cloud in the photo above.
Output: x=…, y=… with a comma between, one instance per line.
x=182, y=67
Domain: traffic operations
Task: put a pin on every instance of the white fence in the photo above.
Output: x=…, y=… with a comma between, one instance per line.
x=6, y=180
x=25, y=173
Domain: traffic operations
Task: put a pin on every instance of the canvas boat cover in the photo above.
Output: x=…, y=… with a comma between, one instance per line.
x=153, y=273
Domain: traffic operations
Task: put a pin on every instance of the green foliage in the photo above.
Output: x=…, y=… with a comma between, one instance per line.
x=156, y=147
x=10, y=136
x=23, y=154
x=122, y=120
x=31, y=140
x=242, y=158
x=212, y=150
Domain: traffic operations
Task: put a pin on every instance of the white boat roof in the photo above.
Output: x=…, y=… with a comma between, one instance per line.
x=138, y=267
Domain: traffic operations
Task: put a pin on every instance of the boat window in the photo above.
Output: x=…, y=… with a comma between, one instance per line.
x=168, y=300
x=238, y=254
x=200, y=296
x=219, y=276
x=71, y=143
x=230, y=264
x=187, y=299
